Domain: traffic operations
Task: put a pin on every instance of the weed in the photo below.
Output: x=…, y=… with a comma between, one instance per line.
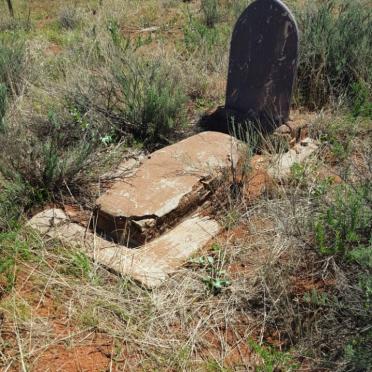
x=216, y=278
x=322, y=187
x=80, y=265
x=51, y=157
x=345, y=223
x=358, y=354
x=210, y=9
x=151, y=99
x=333, y=58
x=13, y=248
x=3, y=103
x=361, y=100
x=338, y=135
x=69, y=18
x=14, y=196
x=12, y=56
x=144, y=99
x=197, y=35
x=273, y=360
x=88, y=317
x=297, y=173
x=316, y=298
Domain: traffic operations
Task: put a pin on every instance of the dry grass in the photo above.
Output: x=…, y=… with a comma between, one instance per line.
x=281, y=303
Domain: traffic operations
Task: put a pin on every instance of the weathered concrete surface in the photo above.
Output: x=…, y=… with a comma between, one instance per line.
x=150, y=264
x=281, y=167
x=170, y=183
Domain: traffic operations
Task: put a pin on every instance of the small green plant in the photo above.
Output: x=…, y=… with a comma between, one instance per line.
x=3, y=102
x=210, y=9
x=198, y=36
x=316, y=298
x=69, y=18
x=357, y=353
x=12, y=58
x=331, y=65
x=338, y=135
x=216, y=279
x=80, y=265
x=149, y=99
x=297, y=173
x=361, y=100
x=272, y=360
x=13, y=248
x=345, y=223
x=322, y=187
x=14, y=196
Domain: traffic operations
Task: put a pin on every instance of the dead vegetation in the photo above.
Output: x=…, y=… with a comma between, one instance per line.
x=286, y=286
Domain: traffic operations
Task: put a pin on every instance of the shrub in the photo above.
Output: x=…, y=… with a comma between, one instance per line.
x=210, y=12
x=345, y=223
x=3, y=102
x=12, y=58
x=15, y=195
x=68, y=18
x=151, y=99
x=38, y=159
x=336, y=40
x=13, y=247
x=138, y=98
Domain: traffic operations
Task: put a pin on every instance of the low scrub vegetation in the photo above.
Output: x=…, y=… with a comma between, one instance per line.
x=335, y=59
x=288, y=284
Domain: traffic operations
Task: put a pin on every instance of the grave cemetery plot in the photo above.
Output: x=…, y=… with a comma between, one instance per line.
x=184, y=185
x=159, y=210
x=153, y=221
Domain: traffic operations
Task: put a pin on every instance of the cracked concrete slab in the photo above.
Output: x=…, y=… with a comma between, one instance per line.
x=281, y=167
x=168, y=185
x=150, y=264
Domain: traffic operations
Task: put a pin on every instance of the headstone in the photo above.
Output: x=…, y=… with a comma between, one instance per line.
x=263, y=64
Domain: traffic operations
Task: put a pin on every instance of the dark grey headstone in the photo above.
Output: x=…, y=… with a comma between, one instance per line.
x=263, y=64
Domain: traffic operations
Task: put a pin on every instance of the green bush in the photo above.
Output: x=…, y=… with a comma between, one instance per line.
x=12, y=247
x=12, y=58
x=36, y=161
x=15, y=195
x=151, y=99
x=3, y=102
x=335, y=54
x=210, y=9
x=345, y=223
x=69, y=18
x=204, y=40
x=137, y=98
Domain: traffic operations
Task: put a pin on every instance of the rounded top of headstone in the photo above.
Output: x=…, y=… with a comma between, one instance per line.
x=269, y=5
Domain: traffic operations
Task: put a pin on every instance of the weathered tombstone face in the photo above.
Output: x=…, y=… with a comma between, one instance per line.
x=263, y=64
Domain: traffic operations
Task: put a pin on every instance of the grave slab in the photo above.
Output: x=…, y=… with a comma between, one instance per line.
x=282, y=164
x=150, y=265
x=168, y=185
x=263, y=64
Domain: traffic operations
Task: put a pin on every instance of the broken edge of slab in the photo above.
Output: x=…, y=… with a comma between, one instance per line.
x=281, y=168
x=150, y=264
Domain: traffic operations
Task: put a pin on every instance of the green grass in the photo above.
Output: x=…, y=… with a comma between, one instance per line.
x=12, y=61
x=335, y=60
x=79, y=86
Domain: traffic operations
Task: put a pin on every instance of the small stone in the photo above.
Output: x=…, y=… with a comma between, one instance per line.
x=281, y=168
x=283, y=129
